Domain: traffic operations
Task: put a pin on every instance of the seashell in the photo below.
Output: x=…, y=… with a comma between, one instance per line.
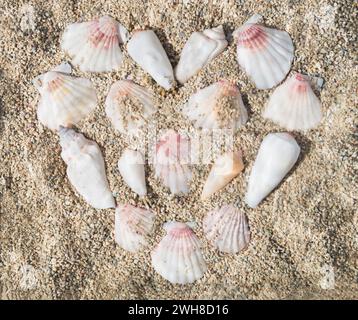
x=171, y=163
x=145, y=49
x=227, y=229
x=132, y=225
x=265, y=54
x=85, y=168
x=217, y=106
x=199, y=50
x=225, y=168
x=131, y=167
x=277, y=155
x=129, y=106
x=94, y=45
x=65, y=100
x=178, y=257
x=293, y=105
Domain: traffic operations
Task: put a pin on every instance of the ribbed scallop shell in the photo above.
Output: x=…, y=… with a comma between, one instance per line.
x=217, y=106
x=129, y=106
x=94, y=45
x=65, y=100
x=171, y=163
x=178, y=256
x=132, y=226
x=265, y=54
x=227, y=229
x=293, y=105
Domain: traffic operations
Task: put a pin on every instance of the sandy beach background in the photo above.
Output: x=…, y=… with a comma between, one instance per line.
x=304, y=235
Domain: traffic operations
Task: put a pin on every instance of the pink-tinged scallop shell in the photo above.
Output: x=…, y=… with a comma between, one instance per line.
x=227, y=229
x=178, y=256
x=132, y=226
x=293, y=105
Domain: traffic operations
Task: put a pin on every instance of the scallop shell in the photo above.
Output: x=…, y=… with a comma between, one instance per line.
x=129, y=106
x=199, y=50
x=65, y=100
x=171, y=163
x=225, y=168
x=227, y=229
x=293, y=105
x=145, y=49
x=132, y=225
x=94, y=45
x=85, y=168
x=217, y=106
x=178, y=257
x=277, y=155
x=131, y=167
x=265, y=54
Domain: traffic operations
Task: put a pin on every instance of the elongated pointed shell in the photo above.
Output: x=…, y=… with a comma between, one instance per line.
x=131, y=167
x=217, y=106
x=178, y=256
x=225, y=168
x=94, y=45
x=129, y=106
x=171, y=163
x=277, y=155
x=145, y=48
x=85, y=168
x=132, y=226
x=265, y=54
x=227, y=229
x=293, y=105
x=199, y=50
x=65, y=100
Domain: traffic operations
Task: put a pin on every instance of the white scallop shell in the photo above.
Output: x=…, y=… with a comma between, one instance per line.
x=145, y=49
x=178, y=256
x=293, y=105
x=217, y=106
x=94, y=45
x=265, y=54
x=129, y=106
x=85, y=168
x=277, y=155
x=65, y=100
x=132, y=225
x=131, y=167
x=227, y=229
x=226, y=167
x=171, y=162
x=198, y=51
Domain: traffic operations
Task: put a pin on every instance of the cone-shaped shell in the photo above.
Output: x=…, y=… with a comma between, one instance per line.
x=199, y=50
x=94, y=45
x=293, y=105
x=178, y=256
x=145, y=49
x=132, y=226
x=131, y=167
x=85, y=168
x=277, y=155
x=226, y=167
x=227, y=229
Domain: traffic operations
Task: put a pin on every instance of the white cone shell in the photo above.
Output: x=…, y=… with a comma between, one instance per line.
x=293, y=105
x=132, y=226
x=94, y=45
x=131, y=168
x=145, y=49
x=277, y=155
x=199, y=50
x=178, y=256
x=227, y=229
x=86, y=169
